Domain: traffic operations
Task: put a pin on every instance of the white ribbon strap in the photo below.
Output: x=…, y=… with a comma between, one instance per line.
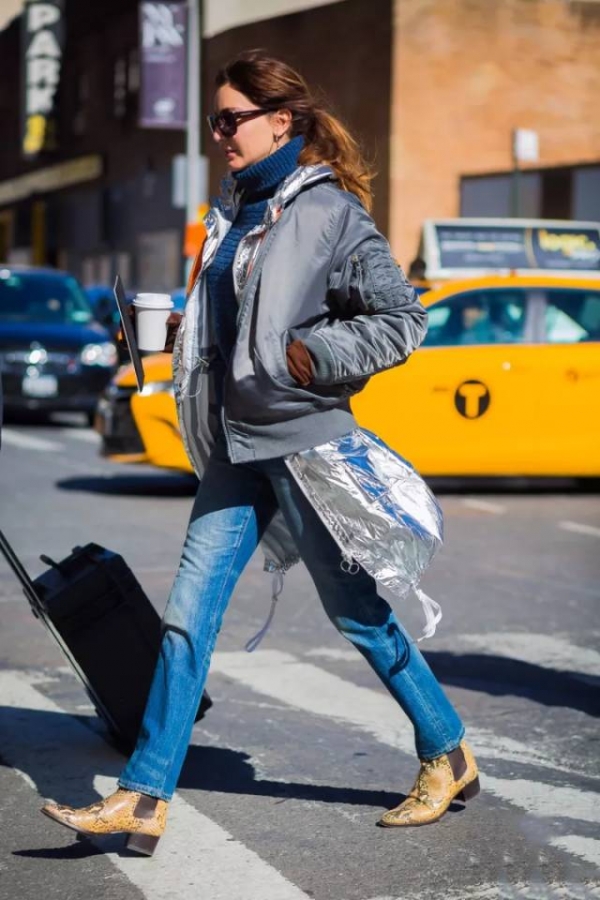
x=277, y=587
x=433, y=614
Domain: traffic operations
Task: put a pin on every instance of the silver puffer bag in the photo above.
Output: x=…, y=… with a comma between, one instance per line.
x=378, y=509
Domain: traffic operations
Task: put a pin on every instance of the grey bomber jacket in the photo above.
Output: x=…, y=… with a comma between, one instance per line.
x=318, y=270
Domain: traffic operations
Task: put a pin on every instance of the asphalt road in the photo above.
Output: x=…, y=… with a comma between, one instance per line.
x=303, y=749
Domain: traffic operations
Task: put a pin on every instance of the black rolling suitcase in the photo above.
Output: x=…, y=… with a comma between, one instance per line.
x=103, y=622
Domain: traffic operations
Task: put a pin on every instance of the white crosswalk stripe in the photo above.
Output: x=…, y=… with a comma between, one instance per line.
x=547, y=650
x=484, y=506
x=24, y=441
x=504, y=891
x=580, y=528
x=63, y=750
x=60, y=757
x=84, y=435
x=551, y=651
x=282, y=677
x=585, y=847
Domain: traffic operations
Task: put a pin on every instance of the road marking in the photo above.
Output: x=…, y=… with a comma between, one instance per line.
x=502, y=890
x=80, y=434
x=549, y=651
x=64, y=759
x=579, y=528
x=520, y=890
x=585, y=847
x=26, y=442
x=545, y=800
x=339, y=654
x=484, y=506
x=283, y=677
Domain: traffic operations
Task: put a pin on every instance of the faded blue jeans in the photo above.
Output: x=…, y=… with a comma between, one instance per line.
x=233, y=507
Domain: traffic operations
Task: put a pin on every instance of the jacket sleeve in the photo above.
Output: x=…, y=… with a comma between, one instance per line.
x=377, y=319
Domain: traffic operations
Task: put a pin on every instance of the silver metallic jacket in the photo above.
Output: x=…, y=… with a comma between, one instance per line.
x=315, y=269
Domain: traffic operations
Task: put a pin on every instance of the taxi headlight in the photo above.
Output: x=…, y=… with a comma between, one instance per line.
x=99, y=355
x=157, y=387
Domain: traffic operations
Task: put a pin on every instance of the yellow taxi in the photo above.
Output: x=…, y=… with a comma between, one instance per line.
x=507, y=381
x=142, y=427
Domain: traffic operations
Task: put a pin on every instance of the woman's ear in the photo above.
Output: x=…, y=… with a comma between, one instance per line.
x=281, y=121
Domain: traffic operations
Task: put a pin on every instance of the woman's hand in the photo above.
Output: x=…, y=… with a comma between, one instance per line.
x=173, y=323
x=299, y=363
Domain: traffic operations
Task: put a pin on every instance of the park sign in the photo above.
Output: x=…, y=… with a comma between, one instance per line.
x=42, y=42
x=163, y=64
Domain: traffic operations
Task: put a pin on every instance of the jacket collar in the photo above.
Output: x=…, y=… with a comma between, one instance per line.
x=230, y=198
x=220, y=216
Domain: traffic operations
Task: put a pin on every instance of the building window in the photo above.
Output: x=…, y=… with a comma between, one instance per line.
x=560, y=193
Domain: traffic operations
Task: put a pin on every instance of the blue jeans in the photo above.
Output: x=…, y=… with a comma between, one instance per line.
x=233, y=507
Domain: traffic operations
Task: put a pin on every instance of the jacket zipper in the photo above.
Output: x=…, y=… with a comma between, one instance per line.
x=242, y=307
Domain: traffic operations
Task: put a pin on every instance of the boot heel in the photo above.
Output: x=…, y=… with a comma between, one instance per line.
x=469, y=791
x=142, y=843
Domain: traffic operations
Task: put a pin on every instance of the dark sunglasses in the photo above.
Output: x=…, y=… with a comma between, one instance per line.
x=226, y=122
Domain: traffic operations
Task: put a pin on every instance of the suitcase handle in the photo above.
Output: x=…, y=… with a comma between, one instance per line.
x=50, y=562
x=39, y=610
x=18, y=568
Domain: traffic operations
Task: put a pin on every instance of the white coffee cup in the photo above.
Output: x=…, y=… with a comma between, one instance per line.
x=151, y=314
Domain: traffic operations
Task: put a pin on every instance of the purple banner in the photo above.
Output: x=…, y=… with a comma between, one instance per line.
x=163, y=64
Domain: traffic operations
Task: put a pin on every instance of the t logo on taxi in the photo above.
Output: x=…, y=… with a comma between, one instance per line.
x=472, y=399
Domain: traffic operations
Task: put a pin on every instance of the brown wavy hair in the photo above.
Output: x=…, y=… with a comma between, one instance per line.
x=272, y=84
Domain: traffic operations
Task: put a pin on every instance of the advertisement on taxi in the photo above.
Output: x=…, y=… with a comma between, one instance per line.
x=510, y=245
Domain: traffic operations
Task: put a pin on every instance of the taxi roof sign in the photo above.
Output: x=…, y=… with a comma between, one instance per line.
x=459, y=248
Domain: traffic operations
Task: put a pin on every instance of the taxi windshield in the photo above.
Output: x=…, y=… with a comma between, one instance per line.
x=42, y=298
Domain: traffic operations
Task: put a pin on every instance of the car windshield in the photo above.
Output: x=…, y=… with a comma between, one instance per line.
x=43, y=298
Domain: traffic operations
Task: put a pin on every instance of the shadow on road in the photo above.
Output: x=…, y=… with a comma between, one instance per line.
x=62, y=755
x=501, y=675
x=502, y=486
x=144, y=485
x=231, y=772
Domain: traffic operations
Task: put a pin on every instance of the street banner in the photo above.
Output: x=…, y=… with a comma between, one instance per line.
x=42, y=43
x=163, y=64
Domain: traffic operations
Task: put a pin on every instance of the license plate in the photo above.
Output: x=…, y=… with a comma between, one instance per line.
x=104, y=419
x=42, y=386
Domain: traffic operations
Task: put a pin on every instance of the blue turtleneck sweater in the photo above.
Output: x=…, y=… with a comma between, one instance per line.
x=259, y=182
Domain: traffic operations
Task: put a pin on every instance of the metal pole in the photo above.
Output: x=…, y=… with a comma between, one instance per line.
x=193, y=112
x=515, y=190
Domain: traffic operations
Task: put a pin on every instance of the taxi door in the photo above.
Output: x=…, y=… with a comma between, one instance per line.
x=463, y=404
x=567, y=363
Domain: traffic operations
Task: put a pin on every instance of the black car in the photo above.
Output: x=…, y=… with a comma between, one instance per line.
x=53, y=355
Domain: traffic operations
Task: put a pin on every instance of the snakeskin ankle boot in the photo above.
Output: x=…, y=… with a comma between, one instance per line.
x=453, y=776
x=141, y=817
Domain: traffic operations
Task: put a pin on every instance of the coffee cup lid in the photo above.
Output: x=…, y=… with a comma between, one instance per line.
x=154, y=301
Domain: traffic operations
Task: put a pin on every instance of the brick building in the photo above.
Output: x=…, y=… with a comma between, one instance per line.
x=468, y=72
x=433, y=88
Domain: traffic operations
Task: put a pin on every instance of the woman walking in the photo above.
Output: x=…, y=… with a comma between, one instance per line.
x=294, y=302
